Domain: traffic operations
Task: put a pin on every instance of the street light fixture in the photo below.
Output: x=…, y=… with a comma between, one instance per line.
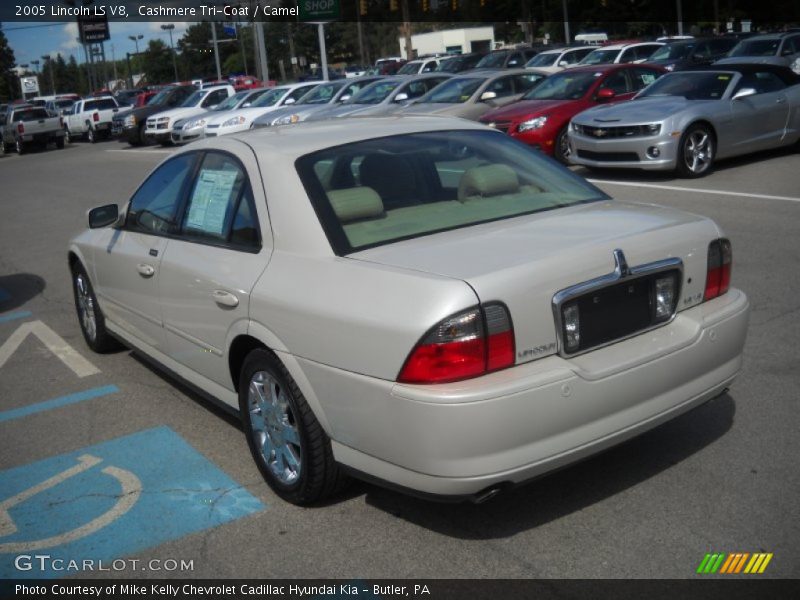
x=46, y=58
x=169, y=27
x=135, y=39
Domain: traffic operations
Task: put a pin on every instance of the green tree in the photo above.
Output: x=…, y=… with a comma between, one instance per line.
x=9, y=86
x=157, y=62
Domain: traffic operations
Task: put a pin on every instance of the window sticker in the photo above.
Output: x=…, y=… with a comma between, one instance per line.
x=723, y=77
x=210, y=200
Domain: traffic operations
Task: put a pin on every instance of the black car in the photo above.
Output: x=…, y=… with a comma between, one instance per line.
x=508, y=58
x=460, y=62
x=679, y=55
x=129, y=125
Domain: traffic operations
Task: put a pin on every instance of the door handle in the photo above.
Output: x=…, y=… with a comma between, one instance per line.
x=224, y=298
x=145, y=270
x=780, y=100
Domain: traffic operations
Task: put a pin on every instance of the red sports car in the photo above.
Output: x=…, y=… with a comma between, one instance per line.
x=542, y=116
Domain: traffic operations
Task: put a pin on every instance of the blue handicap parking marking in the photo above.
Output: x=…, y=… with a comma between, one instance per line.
x=22, y=314
x=113, y=499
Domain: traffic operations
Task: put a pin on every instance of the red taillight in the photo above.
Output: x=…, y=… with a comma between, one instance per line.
x=465, y=345
x=96, y=117
x=20, y=128
x=718, y=275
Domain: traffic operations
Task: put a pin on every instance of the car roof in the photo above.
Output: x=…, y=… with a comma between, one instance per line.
x=605, y=67
x=303, y=138
x=785, y=73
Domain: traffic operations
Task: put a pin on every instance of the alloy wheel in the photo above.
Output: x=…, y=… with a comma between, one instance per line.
x=86, y=307
x=274, y=427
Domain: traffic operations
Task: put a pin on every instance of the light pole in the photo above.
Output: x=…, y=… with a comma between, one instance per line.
x=135, y=39
x=46, y=58
x=169, y=28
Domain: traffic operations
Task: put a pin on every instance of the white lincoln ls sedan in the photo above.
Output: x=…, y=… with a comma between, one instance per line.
x=418, y=301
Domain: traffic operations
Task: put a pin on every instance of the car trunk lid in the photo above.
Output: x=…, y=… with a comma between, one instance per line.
x=525, y=261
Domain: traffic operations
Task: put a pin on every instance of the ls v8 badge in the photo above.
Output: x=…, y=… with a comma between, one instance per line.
x=551, y=347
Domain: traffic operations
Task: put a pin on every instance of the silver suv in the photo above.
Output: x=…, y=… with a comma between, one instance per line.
x=774, y=49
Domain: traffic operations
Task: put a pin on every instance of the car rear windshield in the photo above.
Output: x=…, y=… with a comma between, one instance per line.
x=99, y=104
x=692, y=86
x=756, y=48
x=384, y=190
x=31, y=114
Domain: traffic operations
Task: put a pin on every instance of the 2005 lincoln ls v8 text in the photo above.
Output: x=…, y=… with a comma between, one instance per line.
x=420, y=301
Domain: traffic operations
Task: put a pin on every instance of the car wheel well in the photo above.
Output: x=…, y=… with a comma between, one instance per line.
x=73, y=261
x=705, y=124
x=240, y=348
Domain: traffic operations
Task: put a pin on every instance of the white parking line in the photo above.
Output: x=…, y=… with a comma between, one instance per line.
x=675, y=188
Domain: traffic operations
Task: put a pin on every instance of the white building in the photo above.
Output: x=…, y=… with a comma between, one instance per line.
x=455, y=41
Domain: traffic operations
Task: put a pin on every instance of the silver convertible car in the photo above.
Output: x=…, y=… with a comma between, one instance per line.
x=418, y=301
x=687, y=120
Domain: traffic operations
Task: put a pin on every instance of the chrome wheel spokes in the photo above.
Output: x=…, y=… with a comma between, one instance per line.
x=698, y=151
x=274, y=427
x=86, y=307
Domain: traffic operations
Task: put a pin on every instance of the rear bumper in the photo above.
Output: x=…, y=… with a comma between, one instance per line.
x=514, y=425
x=47, y=136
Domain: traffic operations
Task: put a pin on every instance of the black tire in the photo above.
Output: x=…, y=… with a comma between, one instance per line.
x=696, y=152
x=91, y=136
x=19, y=146
x=561, y=147
x=60, y=143
x=142, y=138
x=98, y=339
x=316, y=475
x=6, y=148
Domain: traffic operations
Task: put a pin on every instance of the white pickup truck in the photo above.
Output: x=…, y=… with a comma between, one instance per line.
x=25, y=125
x=90, y=118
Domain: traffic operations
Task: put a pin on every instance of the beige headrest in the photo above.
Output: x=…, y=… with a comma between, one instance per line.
x=355, y=203
x=488, y=180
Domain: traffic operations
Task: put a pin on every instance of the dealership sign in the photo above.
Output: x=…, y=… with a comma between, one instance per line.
x=93, y=29
x=30, y=85
x=318, y=10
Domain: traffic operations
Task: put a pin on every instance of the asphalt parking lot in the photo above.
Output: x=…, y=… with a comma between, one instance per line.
x=722, y=478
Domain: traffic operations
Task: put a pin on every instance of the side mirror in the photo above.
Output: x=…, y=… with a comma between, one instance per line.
x=289, y=101
x=744, y=93
x=605, y=94
x=401, y=97
x=246, y=104
x=103, y=216
x=488, y=96
x=562, y=63
x=344, y=98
